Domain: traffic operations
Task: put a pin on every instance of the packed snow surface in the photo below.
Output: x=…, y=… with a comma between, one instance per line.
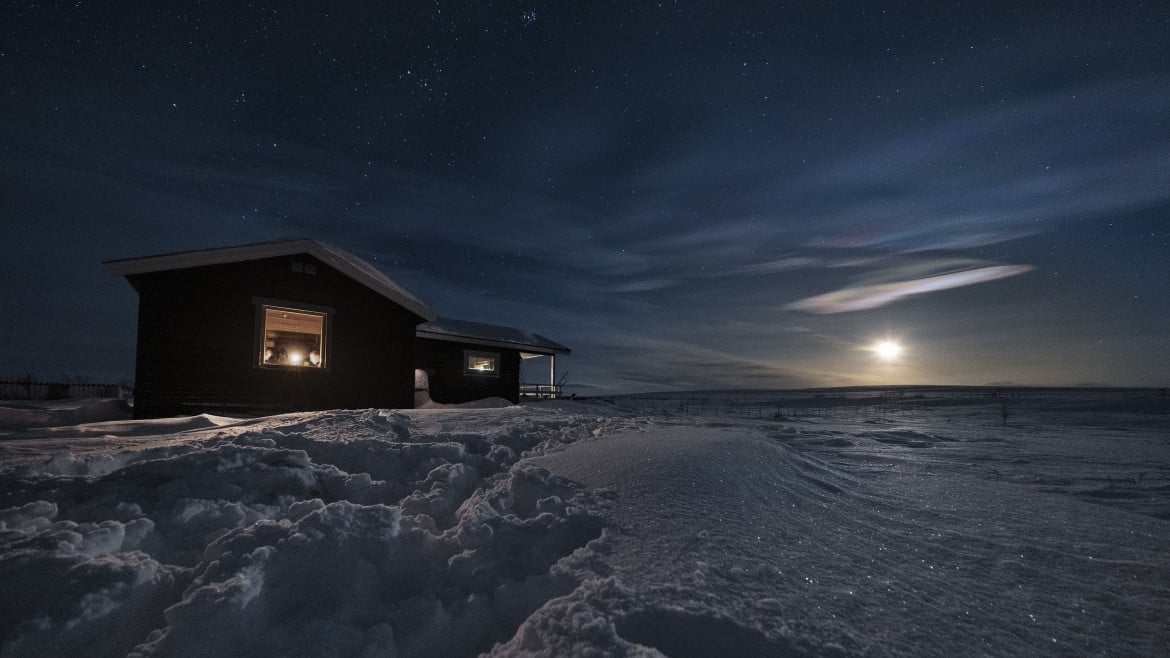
x=710, y=525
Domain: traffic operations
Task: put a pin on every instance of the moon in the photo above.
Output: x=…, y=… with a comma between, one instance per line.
x=887, y=350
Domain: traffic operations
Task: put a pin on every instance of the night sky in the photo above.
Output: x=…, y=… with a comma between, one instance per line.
x=690, y=195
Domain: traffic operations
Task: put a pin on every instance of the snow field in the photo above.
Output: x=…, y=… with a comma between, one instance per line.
x=880, y=536
x=575, y=529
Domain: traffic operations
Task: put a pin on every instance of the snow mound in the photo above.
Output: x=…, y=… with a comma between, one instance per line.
x=485, y=403
x=339, y=533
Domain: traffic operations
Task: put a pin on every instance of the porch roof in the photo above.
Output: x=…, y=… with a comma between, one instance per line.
x=490, y=335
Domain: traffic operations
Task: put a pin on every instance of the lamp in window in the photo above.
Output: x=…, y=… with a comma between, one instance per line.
x=480, y=363
x=292, y=337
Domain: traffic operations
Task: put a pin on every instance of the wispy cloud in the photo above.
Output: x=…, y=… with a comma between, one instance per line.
x=643, y=285
x=784, y=264
x=652, y=364
x=862, y=297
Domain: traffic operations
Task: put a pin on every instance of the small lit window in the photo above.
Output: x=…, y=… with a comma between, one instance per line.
x=292, y=337
x=481, y=363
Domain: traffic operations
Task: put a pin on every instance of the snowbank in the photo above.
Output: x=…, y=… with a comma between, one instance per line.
x=337, y=533
x=576, y=529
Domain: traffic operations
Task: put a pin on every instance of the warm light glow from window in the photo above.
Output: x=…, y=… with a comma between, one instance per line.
x=293, y=337
x=481, y=363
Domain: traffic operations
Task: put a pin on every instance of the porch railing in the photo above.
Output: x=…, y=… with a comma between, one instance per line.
x=540, y=391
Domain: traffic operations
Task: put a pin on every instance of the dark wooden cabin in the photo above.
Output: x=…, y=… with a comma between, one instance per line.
x=294, y=325
x=467, y=361
x=298, y=325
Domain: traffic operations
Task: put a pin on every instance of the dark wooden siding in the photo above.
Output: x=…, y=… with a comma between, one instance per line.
x=197, y=351
x=443, y=361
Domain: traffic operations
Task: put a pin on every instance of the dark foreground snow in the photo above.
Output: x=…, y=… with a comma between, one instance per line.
x=586, y=530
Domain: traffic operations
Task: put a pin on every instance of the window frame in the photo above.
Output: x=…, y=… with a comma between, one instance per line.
x=262, y=304
x=470, y=372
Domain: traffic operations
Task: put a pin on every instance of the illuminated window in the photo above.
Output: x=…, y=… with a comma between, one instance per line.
x=292, y=336
x=481, y=363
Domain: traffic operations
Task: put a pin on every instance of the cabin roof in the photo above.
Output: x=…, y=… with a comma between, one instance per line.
x=348, y=264
x=492, y=335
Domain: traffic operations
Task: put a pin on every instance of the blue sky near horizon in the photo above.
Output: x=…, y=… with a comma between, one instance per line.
x=689, y=196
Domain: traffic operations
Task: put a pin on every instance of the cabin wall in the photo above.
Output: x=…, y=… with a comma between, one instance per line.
x=449, y=384
x=197, y=342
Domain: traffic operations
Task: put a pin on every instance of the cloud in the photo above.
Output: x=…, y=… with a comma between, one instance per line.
x=645, y=285
x=649, y=364
x=862, y=297
x=785, y=264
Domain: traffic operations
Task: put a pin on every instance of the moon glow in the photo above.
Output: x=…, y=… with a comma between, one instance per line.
x=887, y=350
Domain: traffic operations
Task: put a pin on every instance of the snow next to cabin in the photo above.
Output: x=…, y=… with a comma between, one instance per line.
x=707, y=525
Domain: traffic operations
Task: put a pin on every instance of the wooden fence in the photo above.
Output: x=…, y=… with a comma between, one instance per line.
x=17, y=390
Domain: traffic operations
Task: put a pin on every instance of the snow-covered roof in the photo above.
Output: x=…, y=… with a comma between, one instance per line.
x=492, y=335
x=339, y=259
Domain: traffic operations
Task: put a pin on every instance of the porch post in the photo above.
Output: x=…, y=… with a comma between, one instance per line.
x=552, y=370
